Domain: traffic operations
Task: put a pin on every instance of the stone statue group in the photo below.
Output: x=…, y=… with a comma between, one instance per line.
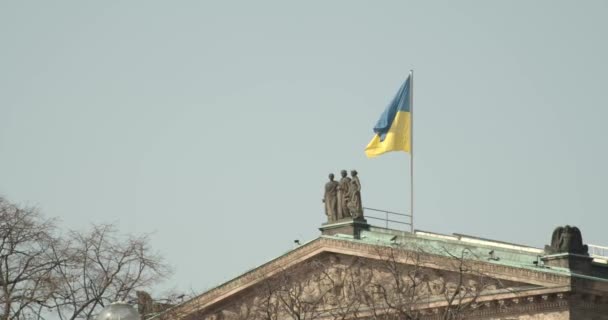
x=343, y=199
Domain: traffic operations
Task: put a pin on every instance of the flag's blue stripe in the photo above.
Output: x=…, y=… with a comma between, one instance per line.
x=401, y=102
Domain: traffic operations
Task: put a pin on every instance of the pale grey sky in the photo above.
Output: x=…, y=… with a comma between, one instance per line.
x=214, y=124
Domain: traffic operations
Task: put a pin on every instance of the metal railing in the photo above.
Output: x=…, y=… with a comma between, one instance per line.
x=388, y=217
x=598, y=251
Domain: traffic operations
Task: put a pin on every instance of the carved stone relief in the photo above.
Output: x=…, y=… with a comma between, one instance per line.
x=328, y=281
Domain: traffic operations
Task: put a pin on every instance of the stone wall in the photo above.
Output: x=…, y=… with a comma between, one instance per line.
x=554, y=315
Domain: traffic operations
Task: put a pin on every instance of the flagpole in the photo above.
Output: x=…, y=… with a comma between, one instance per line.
x=411, y=89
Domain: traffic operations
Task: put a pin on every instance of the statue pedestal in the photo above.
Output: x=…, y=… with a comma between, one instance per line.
x=348, y=226
x=572, y=261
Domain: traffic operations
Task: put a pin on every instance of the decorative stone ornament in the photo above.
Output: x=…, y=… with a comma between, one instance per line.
x=567, y=239
x=568, y=251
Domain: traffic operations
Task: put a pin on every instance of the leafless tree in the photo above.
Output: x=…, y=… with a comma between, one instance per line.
x=406, y=286
x=149, y=307
x=399, y=288
x=102, y=267
x=71, y=276
x=269, y=306
x=296, y=294
x=468, y=286
x=346, y=287
x=26, y=261
x=300, y=297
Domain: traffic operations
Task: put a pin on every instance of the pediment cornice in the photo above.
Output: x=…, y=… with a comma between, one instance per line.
x=357, y=249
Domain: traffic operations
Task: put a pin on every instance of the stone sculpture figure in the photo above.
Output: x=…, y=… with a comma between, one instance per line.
x=567, y=240
x=334, y=281
x=343, y=193
x=147, y=306
x=216, y=316
x=330, y=199
x=354, y=200
x=437, y=285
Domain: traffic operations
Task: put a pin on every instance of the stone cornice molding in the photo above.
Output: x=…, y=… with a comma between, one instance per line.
x=538, y=300
x=435, y=261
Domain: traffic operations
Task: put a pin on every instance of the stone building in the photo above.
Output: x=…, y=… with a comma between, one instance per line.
x=357, y=271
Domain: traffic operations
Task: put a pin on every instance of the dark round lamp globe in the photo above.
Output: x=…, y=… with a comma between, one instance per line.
x=118, y=311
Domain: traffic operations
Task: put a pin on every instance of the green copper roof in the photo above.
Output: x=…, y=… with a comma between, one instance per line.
x=503, y=253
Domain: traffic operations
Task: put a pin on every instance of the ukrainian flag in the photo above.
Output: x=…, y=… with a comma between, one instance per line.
x=393, y=129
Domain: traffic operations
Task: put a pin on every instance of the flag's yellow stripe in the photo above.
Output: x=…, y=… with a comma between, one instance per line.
x=397, y=138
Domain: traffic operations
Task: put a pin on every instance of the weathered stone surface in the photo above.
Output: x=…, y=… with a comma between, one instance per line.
x=146, y=306
x=567, y=239
x=348, y=226
x=355, y=207
x=343, y=199
x=568, y=251
x=330, y=198
x=343, y=193
x=552, y=315
x=326, y=282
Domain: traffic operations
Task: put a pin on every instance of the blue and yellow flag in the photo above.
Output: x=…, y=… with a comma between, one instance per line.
x=392, y=131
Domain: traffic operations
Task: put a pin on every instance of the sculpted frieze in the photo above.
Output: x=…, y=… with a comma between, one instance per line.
x=333, y=284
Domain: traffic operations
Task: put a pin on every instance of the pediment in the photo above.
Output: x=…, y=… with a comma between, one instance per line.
x=335, y=285
x=329, y=275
